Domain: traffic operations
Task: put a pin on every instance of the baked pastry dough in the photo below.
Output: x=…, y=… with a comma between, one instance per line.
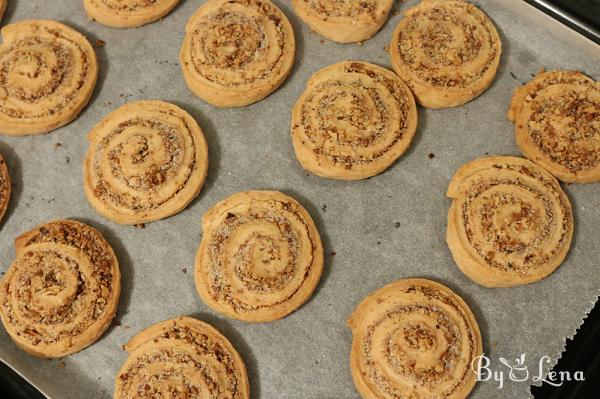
x=5, y=187
x=353, y=121
x=344, y=21
x=127, y=13
x=48, y=72
x=183, y=358
x=446, y=51
x=510, y=223
x=237, y=52
x=147, y=160
x=557, y=124
x=260, y=257
x=414, y=338
x=61, y=292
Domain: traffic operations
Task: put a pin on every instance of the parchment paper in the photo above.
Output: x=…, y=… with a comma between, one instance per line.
x=389, y=227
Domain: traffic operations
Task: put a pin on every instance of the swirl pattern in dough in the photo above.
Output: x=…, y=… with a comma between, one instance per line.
x=127, y=13
x=446, y=51
x=344, y=21
x=61, y=292
x=509, y=224
x=48, y=72
x=260, y=257
x=557, y=124
x=414, y=338
x=181, y=358
x=5, y=187
x=353, y=121
x=237, y=52
x=147, y=160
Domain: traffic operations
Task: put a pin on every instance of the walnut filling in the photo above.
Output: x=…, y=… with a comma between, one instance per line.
x=228, y=40
x=566, y=129
x=166, y=368
x=514, y=227
x=263, y=263
x=55, y=75
x=410, y=336
x=362, y=109
x=429, y=44
x=55, y=301
x=4, y=184
x=344, y=8
x=132, y=162
x=129, y=5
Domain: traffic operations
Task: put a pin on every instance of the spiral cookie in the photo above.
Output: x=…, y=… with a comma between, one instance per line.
x=5, y=187
x=510, y=223
x=62, y=290
x=127, y=13
x=147, y=160
x=344, y=21
x=557, y=124
x=446, y=51
x=181, y=358
x=260, y=257
x=48, y=72
x=353, y=121
x=414, y=338
x=237, y=52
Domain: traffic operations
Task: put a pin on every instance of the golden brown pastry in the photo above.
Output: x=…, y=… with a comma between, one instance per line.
x=414, y=338
x=344, y=21
x=446, y=51
x=237, y=52
x=5, y=187
x=260, y=257
x=48, y=72
x=182, y=358
x=147, y=160
x=61, y=292
x=557, y=124
x=510, y=223
x=127, y=13
x=353, y=121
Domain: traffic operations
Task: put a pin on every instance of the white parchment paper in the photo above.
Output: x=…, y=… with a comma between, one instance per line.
x=388, y=227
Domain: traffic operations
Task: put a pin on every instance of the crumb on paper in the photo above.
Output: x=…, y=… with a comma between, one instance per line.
x=57, y=145
x=513, y=75
x=99, y=43
x=140, y=225
x=324, y=208
x=62, y=365
x=431, y=155
x=333, y=253
x=184, y=270
x=397, y=225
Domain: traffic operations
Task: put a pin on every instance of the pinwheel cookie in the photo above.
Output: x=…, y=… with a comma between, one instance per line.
x=147, y=160
x=61, y=292
x=344, y=21
x=237, y=52
x=260, y=257
x=353, y=121
x=509, y=224
x=127, y=13
x=5, y=187
x=446, y=51
x=48, y=72
x=557, y=124
x=183, y=358
x=414, y=338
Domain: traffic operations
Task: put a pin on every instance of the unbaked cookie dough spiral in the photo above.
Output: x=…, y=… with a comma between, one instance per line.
x=509, y=224
x=353, y=121
x=344, y=21
x=260, y=257
x=127, y=13
x=557, y=124
x=5, y=187
x=48, y=72
x=237, y=52
x=147, y=160
x=181, y=358
x=61, y=292
x=446, y=51
x=414, y=338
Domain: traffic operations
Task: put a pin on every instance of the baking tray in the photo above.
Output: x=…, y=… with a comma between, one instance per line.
x=375, y=231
